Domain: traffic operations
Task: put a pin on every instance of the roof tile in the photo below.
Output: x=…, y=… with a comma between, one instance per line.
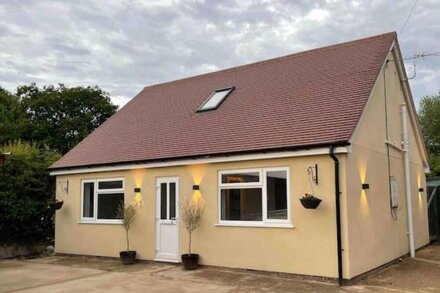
x=309, y=98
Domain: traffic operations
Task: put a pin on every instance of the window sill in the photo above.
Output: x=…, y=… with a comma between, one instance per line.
x=252, y=225
x=100, y=222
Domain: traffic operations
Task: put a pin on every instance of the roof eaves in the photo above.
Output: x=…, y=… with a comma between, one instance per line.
x=264, y=151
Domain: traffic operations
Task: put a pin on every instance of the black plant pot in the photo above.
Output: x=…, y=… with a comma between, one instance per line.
x=56, y=205
x=311, y=203
x=190, y=261
x=127, y=257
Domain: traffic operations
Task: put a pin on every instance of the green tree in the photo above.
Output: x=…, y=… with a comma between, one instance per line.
x=25, y=191
x=429, y=115
x=60, y=117
x=12, y=117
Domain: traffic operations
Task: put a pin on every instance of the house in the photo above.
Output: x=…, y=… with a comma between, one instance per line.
x=3, y=157
x=338, y=122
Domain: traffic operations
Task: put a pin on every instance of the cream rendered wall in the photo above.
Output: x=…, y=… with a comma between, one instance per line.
x=308, y=248
x=374, y=238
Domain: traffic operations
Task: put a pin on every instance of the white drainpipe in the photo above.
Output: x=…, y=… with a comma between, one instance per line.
x=405, y=145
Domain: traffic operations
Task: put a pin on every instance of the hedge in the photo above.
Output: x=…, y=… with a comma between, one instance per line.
x=26, y=188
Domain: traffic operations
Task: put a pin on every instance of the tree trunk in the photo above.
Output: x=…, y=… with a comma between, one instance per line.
x=189, y=246
x=128, y=243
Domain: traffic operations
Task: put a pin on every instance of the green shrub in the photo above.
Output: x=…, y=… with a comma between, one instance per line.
x=25, y=190
x=429, y=116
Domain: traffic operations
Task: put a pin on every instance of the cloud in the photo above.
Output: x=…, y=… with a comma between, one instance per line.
x=123, y=46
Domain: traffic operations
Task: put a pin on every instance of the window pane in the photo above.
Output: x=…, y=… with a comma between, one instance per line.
x=117, y=184
x=88, y=198
x=172, y=200
x=241, y=177
x=108, y=204
x=277, y=195
x=163, y=201
x=215, y=100
x=243, y=204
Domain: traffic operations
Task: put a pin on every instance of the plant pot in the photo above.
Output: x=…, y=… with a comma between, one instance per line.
x=56, y=205
x=190, y=261
x=311, y=203
x=127, y=257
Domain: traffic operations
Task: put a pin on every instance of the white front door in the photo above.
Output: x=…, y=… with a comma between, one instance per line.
x=167, y=223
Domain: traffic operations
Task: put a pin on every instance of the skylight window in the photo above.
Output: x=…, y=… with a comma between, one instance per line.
x=216, y=98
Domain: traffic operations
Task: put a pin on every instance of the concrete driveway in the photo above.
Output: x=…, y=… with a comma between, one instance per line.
x=78, y=274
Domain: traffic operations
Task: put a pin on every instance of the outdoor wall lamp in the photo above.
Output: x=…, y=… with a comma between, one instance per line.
x=196, y=187
x=421, y=189
x=365, y=186
x=137, y=190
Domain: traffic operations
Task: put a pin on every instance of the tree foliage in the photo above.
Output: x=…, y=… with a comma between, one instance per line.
x=25, y=191
x=12, y=117
x=127, y=213
x=192, y=210
x=60, y=117
x=429, y=115
x=36, y=124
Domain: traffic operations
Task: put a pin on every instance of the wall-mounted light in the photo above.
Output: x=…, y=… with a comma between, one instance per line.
x=196, y=187
x=365, y=186
x=421, y=189
x=137, y=190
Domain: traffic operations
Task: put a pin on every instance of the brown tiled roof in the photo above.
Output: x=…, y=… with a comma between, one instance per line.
x=310, y=98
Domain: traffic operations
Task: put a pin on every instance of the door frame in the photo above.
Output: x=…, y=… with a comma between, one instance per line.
x=159, y=180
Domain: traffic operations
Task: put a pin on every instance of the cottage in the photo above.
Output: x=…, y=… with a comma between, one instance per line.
x=338, y=122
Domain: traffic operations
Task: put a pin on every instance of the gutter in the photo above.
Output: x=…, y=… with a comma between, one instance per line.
x=338, y=215
x=232, y=157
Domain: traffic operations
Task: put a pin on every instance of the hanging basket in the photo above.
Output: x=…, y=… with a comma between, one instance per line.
x=56, y=205
x=309, y=200
x=310, y=203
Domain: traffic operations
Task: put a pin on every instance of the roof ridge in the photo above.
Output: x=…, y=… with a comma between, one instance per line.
x=306, y=52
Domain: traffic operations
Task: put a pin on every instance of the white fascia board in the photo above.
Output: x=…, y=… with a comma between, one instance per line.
x=412, y=113
x=205, y=160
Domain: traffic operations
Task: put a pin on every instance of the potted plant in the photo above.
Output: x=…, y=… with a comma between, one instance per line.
x=56, y=204
x=191, y=210
x=309, y=201
x=127, y=213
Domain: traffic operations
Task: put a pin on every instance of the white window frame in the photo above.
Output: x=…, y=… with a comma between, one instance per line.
x=242, y=171
x=265, y=222
x=96, y=191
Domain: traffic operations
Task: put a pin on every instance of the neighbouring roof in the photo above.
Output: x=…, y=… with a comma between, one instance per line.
x=305, y=99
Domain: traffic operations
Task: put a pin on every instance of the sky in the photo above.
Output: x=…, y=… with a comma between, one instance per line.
x=123, y=46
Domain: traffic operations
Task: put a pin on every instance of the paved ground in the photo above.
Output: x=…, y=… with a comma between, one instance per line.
x=77, y=274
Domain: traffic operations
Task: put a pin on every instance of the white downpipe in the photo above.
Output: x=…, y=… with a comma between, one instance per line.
x=405, y=144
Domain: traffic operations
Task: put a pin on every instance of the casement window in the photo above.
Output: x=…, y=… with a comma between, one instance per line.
x=100, y=200
x=255, y=197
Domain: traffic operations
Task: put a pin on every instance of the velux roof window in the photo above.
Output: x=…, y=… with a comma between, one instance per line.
x=215, y=99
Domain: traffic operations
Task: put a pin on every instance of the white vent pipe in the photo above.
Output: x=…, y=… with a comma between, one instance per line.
x=405, y=145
